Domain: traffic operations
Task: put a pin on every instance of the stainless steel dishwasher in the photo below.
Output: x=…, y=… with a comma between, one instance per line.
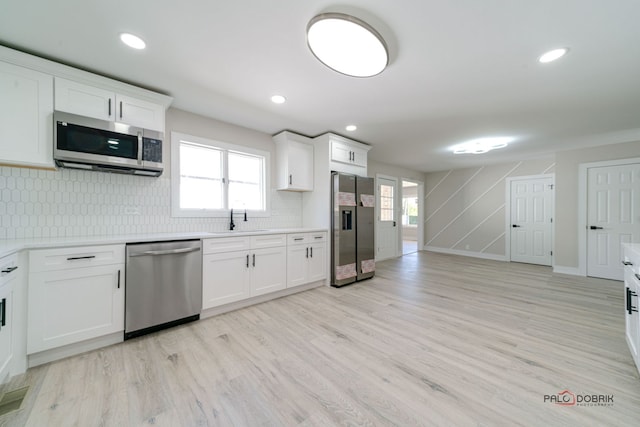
x=163, y=285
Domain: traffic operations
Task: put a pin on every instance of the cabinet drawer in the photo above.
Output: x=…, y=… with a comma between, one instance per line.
x=306, y=238
x=226, y=244
x=268, y=241
x=8, y=268
x=77, y=257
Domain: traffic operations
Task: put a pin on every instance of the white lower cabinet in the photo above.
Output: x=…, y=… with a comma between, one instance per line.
x=80, y=299
x=632, y=300
x=306, y=258
x=256, y=266
x=7, y=267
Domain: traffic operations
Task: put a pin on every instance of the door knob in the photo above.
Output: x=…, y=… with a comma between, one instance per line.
x=595, y=227
x=516, y=226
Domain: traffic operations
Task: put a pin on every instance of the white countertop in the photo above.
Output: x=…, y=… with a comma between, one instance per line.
x=8, y=247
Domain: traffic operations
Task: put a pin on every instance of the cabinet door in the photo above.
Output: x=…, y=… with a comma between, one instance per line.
x=341, y=152
x=6, y=330
x=359, y=156
x=139, y=113
x=317, y=262
x=84, y=100
x=26, y=125
x=300, y=161
x=269, y=270
x=70, y=306
x=297, y=264
x=225, y=278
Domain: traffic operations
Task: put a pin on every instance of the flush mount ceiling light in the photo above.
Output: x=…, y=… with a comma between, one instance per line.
x=351, y=128
x=482, y=145
x=278, y=99
x=347, y=45
x=132, y=41
x=552, y=55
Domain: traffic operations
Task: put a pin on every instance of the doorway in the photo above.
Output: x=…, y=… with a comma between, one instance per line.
x=530, y=219
x=387, y=217
x=410, y=225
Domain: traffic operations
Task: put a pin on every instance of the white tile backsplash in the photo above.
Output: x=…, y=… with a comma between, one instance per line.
x=71, y=203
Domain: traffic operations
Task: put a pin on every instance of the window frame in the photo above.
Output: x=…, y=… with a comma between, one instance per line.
x=176, y=211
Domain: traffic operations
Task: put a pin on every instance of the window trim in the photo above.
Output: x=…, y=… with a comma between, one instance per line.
x=177, y=211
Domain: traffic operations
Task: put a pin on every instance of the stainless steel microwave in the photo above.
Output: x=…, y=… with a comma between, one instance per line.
x=92, y=144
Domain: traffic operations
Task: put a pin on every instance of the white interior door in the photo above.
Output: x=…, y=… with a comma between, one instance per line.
x=387, y=235
x=531, y=220
x=613, y=217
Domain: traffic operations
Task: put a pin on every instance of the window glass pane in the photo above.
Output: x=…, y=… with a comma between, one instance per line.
x=246, y=178
x=200, y=177
x=386, y=202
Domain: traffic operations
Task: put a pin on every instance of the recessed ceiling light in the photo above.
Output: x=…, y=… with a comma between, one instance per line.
x=278, y=99
x=351, y=128
x=347, y=45
x=132, y=41
x=482, y=145
x=552, y=55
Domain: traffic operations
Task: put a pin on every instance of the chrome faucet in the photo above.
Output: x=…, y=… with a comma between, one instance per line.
x=232, y=225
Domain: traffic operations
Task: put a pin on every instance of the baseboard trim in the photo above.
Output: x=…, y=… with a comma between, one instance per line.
x=572, y=271
x=493, y=257
x=58, y=353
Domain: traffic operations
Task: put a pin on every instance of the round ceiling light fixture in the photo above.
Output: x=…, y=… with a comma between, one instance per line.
x=351, y=128
x=132, y=41
x=347, y=45
x=278, y=99
x=482, y=145
x=552, y=55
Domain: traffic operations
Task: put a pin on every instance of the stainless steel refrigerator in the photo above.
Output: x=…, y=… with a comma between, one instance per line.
x=352, y=223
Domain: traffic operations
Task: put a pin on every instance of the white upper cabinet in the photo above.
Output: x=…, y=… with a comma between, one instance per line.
x=348, y=152
x=26, y=125
x=91, y=101
x=294, y=155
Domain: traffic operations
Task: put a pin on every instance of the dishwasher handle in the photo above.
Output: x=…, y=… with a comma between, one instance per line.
x=165, y=252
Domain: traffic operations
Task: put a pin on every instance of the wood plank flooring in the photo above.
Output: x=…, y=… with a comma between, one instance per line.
x=433, y=339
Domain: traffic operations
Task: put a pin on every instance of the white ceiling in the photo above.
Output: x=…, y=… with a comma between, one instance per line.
x=459, y=69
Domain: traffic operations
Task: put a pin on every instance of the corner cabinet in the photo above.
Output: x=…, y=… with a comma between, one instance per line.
x=306, y=258
x=75, y=294
x=26, y=124
x=90, y=101
x=294, y=154
x=237, y=268
x=632, y=300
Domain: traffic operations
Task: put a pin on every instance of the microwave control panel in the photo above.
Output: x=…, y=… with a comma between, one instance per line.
x=152, y=150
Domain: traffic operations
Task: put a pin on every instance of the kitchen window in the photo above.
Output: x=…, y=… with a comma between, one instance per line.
x=210, y=177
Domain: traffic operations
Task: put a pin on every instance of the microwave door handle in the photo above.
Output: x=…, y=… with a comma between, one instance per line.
x=140, y=147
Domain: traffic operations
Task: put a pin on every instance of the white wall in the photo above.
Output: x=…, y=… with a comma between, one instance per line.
x=67, y=202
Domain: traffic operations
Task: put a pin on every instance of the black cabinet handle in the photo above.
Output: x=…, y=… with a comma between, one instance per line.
x=290, y=179
x=595, y=227
x=627, y=263
x=307, y=252
x=81, y=257
x=630, y=307
x=9, y=270
x=247, y=260
x=311, y=252
x=3, y=316
x=109, y=107
x=516, y=226
x=120, y=109
x=637, y=276
x=254, y=260
x=297, y=239
x=118, y=279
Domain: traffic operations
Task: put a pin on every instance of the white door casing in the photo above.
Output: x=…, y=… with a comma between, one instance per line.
x=386, y=217
x=613, y=217
x=531, y=220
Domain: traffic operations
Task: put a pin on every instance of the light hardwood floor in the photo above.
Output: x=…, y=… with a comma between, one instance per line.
x=432, y=340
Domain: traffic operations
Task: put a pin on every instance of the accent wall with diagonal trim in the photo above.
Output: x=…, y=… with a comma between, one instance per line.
x=465, y=208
